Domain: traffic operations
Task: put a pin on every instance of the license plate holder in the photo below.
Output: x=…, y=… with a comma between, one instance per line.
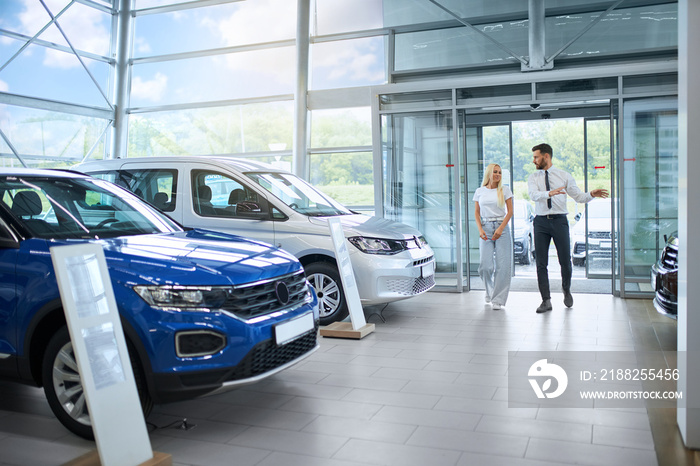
x=427, y=270
x=293, y=329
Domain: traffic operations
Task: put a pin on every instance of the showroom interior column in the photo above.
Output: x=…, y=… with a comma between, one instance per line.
x=300, y=166
x=688, y=222
x=121, y=48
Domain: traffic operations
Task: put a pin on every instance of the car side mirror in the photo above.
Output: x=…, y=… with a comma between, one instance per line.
x=250, y=209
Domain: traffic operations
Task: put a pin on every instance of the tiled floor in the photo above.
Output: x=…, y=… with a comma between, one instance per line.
x=428, y=387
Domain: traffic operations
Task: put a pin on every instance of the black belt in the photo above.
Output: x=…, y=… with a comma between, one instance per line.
x=552, y=216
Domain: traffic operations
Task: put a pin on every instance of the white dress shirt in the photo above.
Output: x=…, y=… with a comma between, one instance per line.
x=538, y=192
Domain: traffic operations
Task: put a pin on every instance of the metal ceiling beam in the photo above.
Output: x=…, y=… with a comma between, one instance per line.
x=536, y=38
x=55, y=106
x=181, y=6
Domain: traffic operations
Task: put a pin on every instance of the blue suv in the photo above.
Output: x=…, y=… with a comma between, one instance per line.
x=201, y=311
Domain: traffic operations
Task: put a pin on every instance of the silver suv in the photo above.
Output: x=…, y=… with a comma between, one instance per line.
x=392, y=261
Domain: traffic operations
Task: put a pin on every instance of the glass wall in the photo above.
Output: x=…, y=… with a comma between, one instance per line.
x=341, y=156
x=235, y=129
x=649, y=184
x=55, y=84
x=615, y=240
x=419, y=190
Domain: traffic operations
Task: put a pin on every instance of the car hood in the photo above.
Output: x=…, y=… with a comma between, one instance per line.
x=194, y=257
x=520, y=223
x=594, y=224
x=374, y=227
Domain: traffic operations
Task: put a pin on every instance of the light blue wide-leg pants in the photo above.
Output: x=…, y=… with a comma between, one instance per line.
x=496, y=262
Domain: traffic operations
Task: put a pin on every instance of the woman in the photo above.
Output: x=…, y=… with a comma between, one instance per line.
x=493, y=211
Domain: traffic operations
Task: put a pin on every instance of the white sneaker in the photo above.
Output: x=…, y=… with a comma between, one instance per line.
x=495, y=306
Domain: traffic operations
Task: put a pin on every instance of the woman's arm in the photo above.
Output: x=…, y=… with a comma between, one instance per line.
x=477, y=219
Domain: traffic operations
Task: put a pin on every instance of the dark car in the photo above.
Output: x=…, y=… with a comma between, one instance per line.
x=597, y=246
x=523, y=218
x=201, y=311
x=664, y=278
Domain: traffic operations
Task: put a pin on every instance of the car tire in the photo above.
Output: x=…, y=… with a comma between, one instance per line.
x=63, y=387
x=525, y=259
x=325, y=279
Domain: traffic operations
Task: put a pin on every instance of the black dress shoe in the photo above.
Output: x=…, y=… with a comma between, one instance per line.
x=568, y=299
x=545, y=306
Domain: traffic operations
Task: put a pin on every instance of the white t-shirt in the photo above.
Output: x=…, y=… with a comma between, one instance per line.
x=488, y=201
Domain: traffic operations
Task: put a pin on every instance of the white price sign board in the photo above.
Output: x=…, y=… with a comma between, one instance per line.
x=100, y=350
x=347, y=276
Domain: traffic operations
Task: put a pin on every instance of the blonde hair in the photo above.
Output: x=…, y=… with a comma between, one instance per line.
x=487, y=180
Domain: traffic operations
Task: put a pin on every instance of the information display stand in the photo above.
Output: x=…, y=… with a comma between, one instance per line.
x=103, y=360
x=358, y=327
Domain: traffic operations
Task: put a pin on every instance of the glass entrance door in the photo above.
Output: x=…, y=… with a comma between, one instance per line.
x=483, y=145
x=420, y=185
x=592, y=240
x=582, y=144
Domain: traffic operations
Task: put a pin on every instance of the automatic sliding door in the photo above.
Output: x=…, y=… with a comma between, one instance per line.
x=598, y=247
x=485, y=145
x=419, y=185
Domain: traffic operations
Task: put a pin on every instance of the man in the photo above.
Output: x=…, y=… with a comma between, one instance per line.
x=548, y=187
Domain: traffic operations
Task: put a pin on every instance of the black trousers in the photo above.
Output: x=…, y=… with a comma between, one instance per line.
x=548, y=228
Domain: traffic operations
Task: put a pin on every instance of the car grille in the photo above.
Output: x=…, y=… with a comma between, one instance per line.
x=411, y=286
x=266, y=356
x=262, y=358
x=260, y=298
x=517, y=247
x=599, y=234
x=669, y=258
x=580, y=248
x=422, y=261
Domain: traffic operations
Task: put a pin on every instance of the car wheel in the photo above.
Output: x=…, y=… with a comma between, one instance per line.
x=525, y=259
x=325, y=279
x=64, y=389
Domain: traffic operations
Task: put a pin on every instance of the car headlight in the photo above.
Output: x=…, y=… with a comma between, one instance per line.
x=192, y=298
x=378, y=245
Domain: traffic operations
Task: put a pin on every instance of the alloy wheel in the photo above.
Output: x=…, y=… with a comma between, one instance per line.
x=328, y=292
x=68, y=385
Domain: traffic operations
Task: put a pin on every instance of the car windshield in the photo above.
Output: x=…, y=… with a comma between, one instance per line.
x=599, y=209
x=298, y=194
x=520, y=210
x=63, y=208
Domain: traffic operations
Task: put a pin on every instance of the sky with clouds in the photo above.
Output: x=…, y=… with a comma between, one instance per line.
x=47, y=73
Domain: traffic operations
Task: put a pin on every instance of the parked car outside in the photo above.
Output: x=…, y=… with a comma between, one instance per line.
x=201, y=311
x=391, y=261
x=599, y=235
x=664, y=278
x=524, y=232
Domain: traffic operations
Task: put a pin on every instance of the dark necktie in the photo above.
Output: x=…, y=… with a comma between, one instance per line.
x=546, y=185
